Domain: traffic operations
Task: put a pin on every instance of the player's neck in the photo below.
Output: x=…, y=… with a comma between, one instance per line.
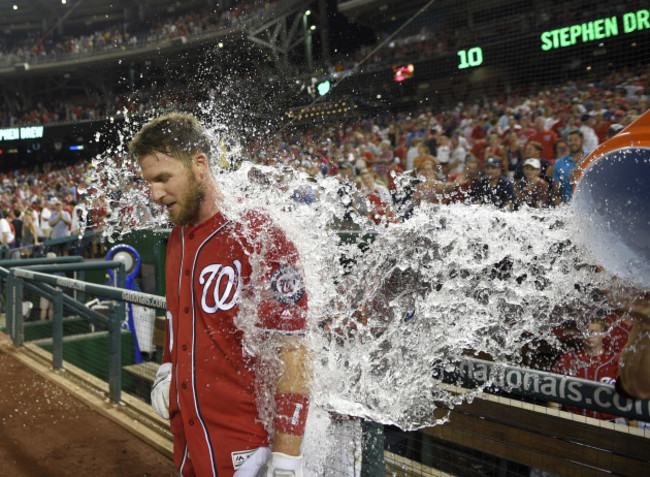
x=211, y=203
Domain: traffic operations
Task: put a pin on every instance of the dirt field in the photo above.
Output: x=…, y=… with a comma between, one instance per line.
x=44, y=431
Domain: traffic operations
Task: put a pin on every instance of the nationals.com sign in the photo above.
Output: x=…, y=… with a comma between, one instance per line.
x=600, y=397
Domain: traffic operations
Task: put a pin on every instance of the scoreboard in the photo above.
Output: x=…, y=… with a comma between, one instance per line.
x=595, y=30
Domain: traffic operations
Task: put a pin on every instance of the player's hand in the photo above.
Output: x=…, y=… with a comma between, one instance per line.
x=282, y=465
x=160, y=390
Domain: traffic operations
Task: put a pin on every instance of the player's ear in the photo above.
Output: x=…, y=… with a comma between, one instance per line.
x=201, y=163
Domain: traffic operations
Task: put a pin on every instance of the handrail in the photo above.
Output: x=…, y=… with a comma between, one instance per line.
x=129, y=296
x=4, y=264
x=43, y=284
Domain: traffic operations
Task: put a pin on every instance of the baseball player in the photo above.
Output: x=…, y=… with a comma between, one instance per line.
x=220, y=274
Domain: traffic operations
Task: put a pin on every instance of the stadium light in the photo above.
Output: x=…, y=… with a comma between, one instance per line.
x=308, y=12
x=312, y=28
x=324, y=88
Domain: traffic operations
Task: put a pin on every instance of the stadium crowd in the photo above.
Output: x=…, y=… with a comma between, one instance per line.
x=53, y=47
x=512, y=152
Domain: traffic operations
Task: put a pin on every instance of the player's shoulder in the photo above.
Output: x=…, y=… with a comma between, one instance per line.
x=255, y=225
x=256, y=219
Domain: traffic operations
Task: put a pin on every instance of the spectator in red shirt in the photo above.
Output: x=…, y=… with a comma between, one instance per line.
x=601, y=127
x=493, y=149
x=545, y=137
x=593, y=361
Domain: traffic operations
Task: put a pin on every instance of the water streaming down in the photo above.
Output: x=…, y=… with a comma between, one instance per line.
x=396, y=299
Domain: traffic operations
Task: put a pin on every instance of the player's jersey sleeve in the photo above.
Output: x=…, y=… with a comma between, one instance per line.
x=282, y=296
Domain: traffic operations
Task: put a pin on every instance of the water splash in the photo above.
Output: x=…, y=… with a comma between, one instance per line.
x=390, y=301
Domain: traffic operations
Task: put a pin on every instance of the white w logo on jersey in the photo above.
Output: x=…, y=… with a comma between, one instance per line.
x=223, y=298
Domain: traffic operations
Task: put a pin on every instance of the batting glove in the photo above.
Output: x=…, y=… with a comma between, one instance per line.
x=282, y=465
x=160, y=390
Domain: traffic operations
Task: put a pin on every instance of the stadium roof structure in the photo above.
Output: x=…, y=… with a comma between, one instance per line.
x=49, y=15
x=382, y=13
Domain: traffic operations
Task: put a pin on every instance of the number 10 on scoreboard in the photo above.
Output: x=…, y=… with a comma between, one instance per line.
x=470, y=58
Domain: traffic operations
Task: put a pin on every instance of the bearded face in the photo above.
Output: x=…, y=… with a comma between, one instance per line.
x=190, y=202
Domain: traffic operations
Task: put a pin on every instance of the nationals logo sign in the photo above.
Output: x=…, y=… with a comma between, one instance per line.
x=221, y=286
x=287, y=285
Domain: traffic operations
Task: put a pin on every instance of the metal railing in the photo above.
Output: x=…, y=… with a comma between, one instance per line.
x=50, y=287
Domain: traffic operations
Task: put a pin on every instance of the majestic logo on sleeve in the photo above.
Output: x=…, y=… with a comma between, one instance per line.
x=221, y=285
x=287, y=285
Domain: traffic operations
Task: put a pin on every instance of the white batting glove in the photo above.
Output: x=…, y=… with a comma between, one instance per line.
x=282, y=465
x=160, y=390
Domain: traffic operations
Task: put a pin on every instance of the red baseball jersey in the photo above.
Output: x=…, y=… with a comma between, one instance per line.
x=603, y=368
x=618, y=333
x=212, y=269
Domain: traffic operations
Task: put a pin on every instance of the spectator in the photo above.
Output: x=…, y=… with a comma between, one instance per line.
x=458, y=154
x=461, y=188
x=424, y=156
x=564, y=167
x=429, y=189
x=613, y=130
x=590, y=139
x=384, y=160
x=532, y=190
x=378, y=199
x=534, y=151
x=513, y=157
x=7, y=236
x=546, y=138
x=494, y=148
x=17, y=226
x=60, y=221
x=443, y=154
x=29, y=234
x=561, y=150
x=46, y=215
x=494, y=188
x=592, y=361
x=412, y=153
x=601, y=127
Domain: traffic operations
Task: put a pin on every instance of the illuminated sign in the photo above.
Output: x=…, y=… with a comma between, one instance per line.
x=324, y=88
x=12, y=134
x=471, y=57
x=596, y=30
x=9, y=134
x=402, y=73
x=34, y=132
